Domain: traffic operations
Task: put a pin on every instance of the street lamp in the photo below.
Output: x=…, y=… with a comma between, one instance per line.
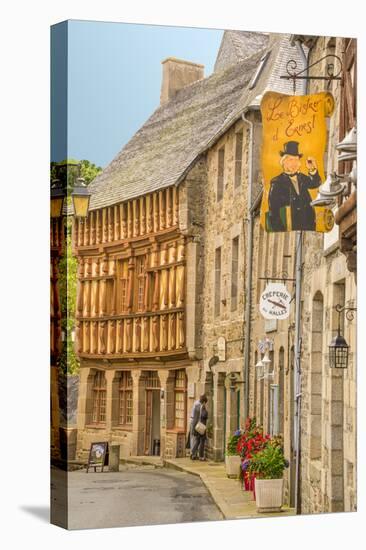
x=330, y=189
x=338, y=348
x=264, y=346
x=57, y=198
x=348, y=146
x=80, y=198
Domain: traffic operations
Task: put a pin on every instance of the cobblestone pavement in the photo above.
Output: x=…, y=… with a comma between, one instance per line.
x=136, y=495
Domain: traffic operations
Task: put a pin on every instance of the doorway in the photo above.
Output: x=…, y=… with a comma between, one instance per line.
x=152, y=413
x=152, y=427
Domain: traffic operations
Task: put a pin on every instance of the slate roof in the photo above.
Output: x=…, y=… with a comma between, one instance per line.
x=281, y=51
x=239, y=45
x=163, y=150
x=161, y=153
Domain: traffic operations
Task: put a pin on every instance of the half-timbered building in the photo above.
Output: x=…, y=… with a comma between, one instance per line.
x=140, y=267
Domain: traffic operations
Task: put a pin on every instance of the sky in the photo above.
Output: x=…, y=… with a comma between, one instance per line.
x=113, y=79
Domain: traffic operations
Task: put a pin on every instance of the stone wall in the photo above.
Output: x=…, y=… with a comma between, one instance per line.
x=224, y=221
x=328, y=477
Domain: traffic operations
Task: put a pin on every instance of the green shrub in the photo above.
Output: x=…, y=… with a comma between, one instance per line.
x=268, y=463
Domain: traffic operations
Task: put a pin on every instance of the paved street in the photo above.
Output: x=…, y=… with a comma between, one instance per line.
x=136, y=495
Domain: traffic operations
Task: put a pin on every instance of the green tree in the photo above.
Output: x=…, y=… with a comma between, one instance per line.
x=88, y=170
x=69, y=362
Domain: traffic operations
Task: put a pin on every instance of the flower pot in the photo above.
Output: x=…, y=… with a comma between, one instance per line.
x=232, y=463
x=248, y=482
x=269, y=495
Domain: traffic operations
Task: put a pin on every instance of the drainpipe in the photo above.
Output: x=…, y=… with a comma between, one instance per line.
x=248, y=288
x=297, y=369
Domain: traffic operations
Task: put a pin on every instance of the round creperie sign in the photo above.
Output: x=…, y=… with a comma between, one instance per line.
x=275, y=301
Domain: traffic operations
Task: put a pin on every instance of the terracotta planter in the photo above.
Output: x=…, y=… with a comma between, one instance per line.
x=232, y=463
x=269, y=495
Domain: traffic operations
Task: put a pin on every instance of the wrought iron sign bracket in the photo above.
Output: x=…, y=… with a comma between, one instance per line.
x=349, y=312
x=332, y=74
x=282, y=276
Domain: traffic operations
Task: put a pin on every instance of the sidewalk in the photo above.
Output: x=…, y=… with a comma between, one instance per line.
x=232, y=501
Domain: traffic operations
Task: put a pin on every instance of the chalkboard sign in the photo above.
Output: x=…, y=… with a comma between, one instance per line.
x=98, y=456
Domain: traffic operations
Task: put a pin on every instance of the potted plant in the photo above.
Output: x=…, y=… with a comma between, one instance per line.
x=267, y=466
x=250, y=442
x=232, y=455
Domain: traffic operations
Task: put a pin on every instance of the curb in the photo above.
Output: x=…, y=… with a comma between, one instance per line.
x=141, y=462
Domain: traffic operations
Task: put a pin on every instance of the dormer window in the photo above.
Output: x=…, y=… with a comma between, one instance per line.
x=259, y=70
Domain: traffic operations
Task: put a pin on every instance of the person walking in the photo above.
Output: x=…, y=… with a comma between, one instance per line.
x=199, y=415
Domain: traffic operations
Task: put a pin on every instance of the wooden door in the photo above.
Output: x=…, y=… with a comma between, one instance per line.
x=148, y=422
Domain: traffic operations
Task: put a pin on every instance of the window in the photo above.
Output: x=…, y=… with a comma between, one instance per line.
x=123, y=285
x=234, y=273
x=99, y=398
x=140, y=286
x=259, y=70
x=180, y=390
x=217, y=281
x=152, y=379
x=220, y=173
x=125, y=399
x=238, y=158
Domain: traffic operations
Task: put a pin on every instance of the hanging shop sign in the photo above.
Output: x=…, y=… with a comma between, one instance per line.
x=294, y=143
x=275, y=301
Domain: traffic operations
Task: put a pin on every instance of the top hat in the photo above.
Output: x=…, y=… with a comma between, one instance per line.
x=291, y=148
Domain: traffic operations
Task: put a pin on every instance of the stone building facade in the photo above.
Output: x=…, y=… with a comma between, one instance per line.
x=328, y=438
x=328, y=414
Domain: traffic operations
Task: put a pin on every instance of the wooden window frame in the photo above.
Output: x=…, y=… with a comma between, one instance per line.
x=125, y=397
x=123, y=286
x=140, y=279
x=99, y=399
x=182, y=392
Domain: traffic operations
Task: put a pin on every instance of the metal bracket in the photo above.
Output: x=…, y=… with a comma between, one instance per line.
x=280, y=276
x=294, y=74
x=348, y=311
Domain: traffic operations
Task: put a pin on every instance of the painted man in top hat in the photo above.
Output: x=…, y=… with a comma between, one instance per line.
x=290, y=189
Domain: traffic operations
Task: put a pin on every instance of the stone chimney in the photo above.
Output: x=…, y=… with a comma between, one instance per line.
x=178, y=73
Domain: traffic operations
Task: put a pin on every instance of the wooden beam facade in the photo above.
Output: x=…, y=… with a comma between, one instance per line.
x=131, y=280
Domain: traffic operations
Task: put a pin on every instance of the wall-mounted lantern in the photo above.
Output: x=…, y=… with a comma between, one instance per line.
x=262, y=367
x=337, y=184
x=338, y=348
x=348, y=146
x=266, y=362
x=331, y=188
